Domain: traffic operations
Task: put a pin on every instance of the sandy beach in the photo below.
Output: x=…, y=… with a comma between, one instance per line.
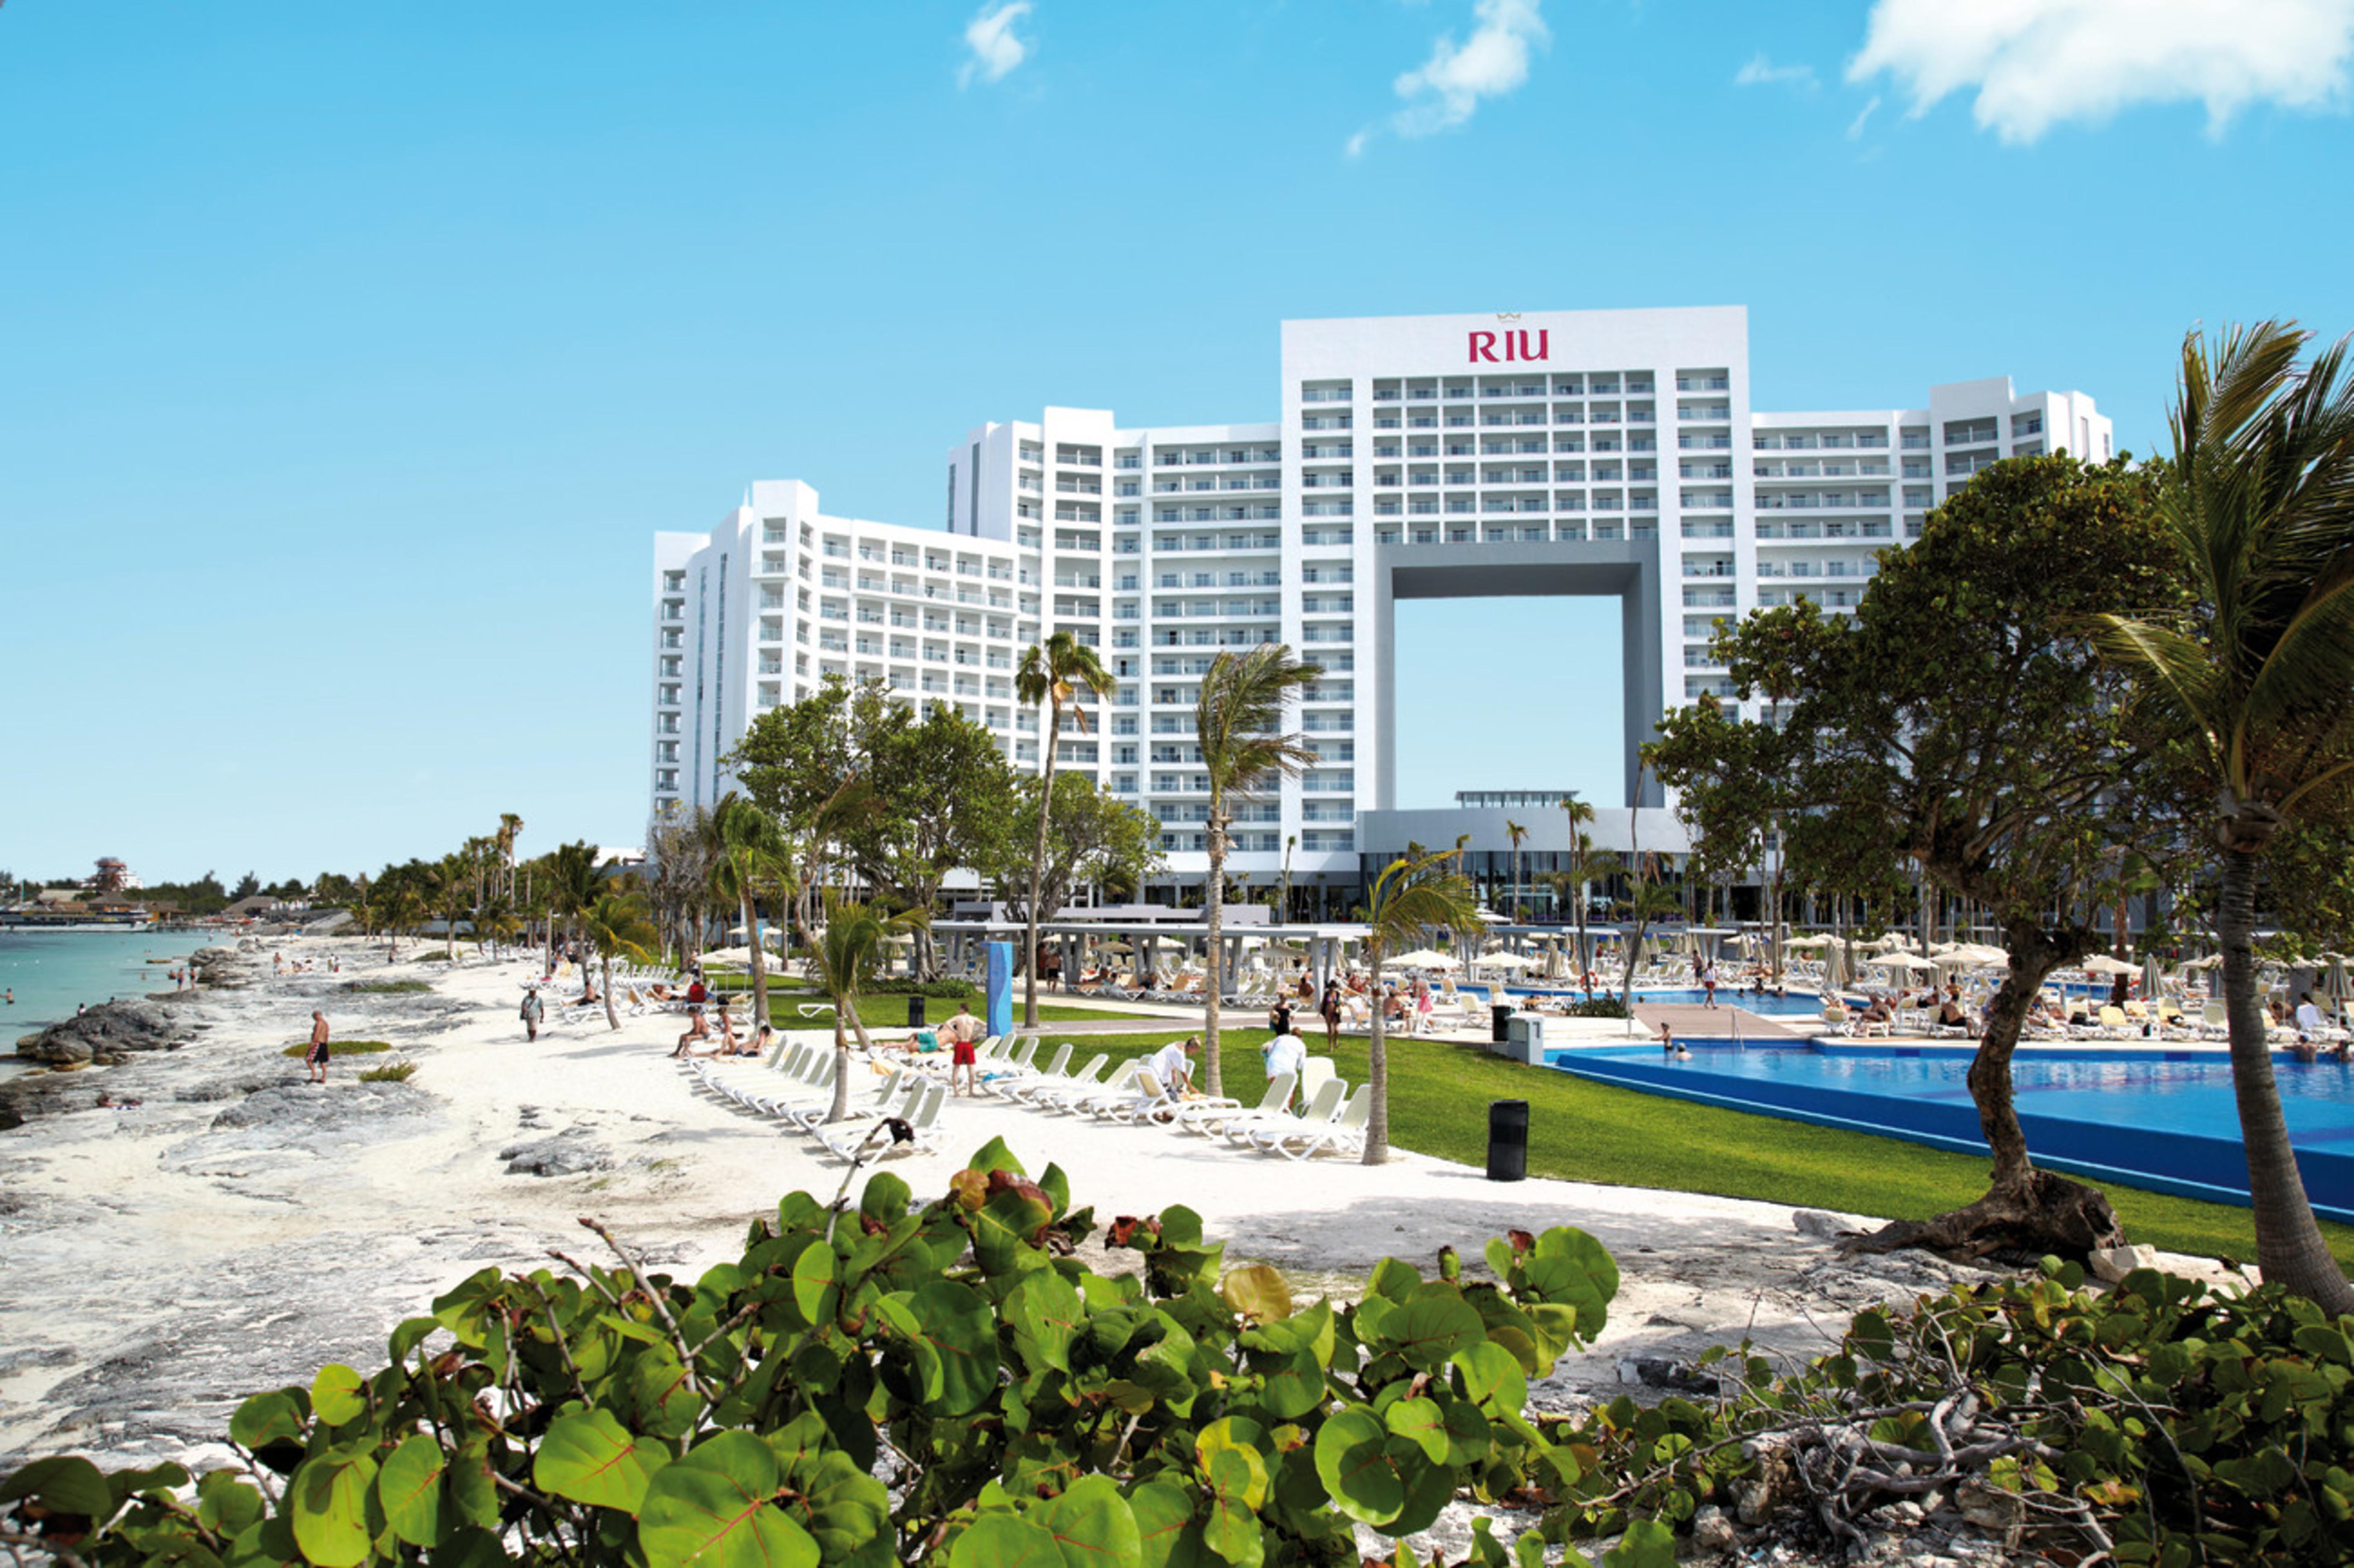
x=236, y=1226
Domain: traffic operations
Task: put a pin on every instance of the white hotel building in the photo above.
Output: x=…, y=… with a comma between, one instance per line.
x=1605, y=453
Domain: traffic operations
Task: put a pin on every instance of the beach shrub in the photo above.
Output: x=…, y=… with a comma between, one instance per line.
x=390, y=1073
x=875, y=1384
x=339, y=1048
x=2164, y=1421
x=387, y=987
x=429, y=955
x=1597, y=1007
x=940, y=989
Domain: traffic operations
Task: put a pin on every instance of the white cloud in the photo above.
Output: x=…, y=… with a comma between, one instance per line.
x=995, y=50
x=2035, y=63
x=1855, y=126
x=1443, y=91
x=1763, y=72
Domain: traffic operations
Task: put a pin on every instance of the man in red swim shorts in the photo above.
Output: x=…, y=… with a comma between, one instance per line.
x=963, y=1030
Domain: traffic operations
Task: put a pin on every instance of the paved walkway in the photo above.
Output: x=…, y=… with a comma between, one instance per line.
x=1723, y=1021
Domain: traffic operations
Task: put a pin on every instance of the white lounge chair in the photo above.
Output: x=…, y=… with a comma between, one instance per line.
x=1027, y=1093
x=847, y=1139
x=1209, y=1118
x=1323, y=1106
x=1344, y=1134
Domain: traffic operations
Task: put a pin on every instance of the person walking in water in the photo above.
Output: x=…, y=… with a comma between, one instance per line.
x=316, y=1058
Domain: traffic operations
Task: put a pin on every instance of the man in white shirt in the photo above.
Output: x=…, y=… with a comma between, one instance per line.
x=1287, y=1053
x=2308, y=1017
x=1173, y=1065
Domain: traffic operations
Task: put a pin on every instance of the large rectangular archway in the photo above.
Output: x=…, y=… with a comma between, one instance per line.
x=1628, y=570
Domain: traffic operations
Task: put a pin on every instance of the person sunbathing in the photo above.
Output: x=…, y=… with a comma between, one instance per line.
x=920, y=1041
x=1951, y=1014
x=1876, y=1012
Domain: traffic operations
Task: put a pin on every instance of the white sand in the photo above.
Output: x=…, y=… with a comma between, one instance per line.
x=152, y=1266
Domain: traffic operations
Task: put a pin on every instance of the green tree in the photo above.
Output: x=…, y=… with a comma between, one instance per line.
x=939, y=796
x=803, y=764
x=1961, y=722
x=845, y=956
x=450, y=882
x=1516, y=832
x=1052, y=675
x=1411, y=895
x=572, y=887
x=1091, y=838
x=1237, y=722
x=2256, y=679
x=753, y=851
x=1585, y=865
x=614, y=925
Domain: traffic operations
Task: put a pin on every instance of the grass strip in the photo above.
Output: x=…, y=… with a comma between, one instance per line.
x=1582, y=1131
x=338, y=1048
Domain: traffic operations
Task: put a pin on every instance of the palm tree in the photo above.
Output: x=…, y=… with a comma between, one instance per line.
x=1584, y=866
x=1411, y=895
x=1283, y=899
x=450, y=891
x=615, y=925
x=2259, y=682
x=1650, y=901
x=1051, y=674
x=510, y=829
x=1514, y=831
x=849, y=950
x=1236, y=723
x=572, y=887
x=753, y=851
x=494, y=922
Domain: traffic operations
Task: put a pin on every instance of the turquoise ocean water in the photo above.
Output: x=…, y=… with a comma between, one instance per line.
x=52, y=972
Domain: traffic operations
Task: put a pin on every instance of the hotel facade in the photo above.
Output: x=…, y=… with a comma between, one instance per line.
x=1617, y=453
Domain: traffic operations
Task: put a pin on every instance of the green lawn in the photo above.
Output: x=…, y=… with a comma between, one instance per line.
x=1582, y=1131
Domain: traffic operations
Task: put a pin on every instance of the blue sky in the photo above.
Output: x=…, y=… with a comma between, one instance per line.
x=349, y=356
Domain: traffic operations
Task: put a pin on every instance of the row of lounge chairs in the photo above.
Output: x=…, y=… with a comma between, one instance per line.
x=1333, y=1119
x=797, y=1093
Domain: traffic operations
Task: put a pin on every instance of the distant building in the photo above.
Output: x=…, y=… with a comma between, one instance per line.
x=113, y=876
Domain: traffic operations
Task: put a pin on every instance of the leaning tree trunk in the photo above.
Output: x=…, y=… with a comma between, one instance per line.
x=840, y=1109
x=1213, y=965
x=2025, y=1209
x=605, y=970
x=2289, y=1247
x=1037, y=873
x=1377, y=1076
x=759, y=962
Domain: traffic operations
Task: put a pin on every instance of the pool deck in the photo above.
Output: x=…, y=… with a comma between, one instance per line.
x=1725, y=1020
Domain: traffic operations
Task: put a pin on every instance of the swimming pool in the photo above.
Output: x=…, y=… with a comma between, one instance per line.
x=2161, y=1120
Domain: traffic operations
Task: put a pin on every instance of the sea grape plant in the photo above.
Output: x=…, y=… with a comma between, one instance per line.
x=943, y=1382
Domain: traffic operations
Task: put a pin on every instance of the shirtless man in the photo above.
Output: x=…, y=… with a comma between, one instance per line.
x=316, y=1058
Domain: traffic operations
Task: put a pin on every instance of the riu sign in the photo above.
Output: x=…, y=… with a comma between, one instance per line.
x=1514, y=343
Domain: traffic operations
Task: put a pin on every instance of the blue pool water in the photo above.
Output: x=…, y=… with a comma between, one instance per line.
x=2164, y=1120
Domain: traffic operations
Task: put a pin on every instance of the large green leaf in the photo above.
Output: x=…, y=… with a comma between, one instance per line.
x=1046, y=1312
x=338, y=1394
x=1291, y=1385
x=327, y=1499
x=409, y=1489
x=817, y=1284
x=1429, y=1328
x=1491, y=1375
x=1232, y=1531
x=994, y=1155
x=1005, y=1541
x=1420, y=1422
x=267, y=1418
x=589, y=1457
x=1648, y=1543
x=885, y=1198
x=1002, y=1231
x=1093, y=1525
x=1167, y=1534
x=1353, y=1461
x=662, y=1401
x=958, y=1327
x=713, y=1509
x=66, y=1484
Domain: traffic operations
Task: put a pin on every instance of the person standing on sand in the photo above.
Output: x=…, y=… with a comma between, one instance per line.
x=316, y=1058
x=533, y=1009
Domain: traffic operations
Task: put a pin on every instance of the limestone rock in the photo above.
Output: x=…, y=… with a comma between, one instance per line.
x=1824, y=1226
x=1712, y=1530
x=2114, y=1263
x=572, y=1152
x=110, y=1030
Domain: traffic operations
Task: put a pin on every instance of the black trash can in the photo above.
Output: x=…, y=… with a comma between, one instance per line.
x=915, y=1012
x=1508, y=1141
x=1500, y=1017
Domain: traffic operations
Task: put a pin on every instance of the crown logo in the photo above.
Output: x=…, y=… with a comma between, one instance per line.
x=1508, y=315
